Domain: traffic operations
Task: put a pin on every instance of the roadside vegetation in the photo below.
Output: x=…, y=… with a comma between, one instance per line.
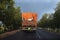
x=10, y=16
x=51, y=21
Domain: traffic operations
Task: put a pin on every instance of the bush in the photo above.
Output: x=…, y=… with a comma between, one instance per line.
x=1, y=29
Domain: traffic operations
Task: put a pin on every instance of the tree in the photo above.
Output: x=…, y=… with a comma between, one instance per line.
x=8, y=13
x=43, y=21
x=57, y=16
x=46, y=21
x=17, y=18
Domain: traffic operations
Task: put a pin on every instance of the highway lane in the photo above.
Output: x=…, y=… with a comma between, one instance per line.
x=38, y=35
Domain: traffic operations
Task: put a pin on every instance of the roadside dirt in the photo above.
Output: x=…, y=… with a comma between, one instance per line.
x=8, y=34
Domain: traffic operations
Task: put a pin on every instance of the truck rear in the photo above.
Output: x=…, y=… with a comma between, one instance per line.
x=29, y=21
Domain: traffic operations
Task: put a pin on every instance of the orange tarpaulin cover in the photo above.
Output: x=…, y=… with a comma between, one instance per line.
x=28, y=15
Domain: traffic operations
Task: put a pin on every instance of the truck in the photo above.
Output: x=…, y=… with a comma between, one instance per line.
x=29, y=21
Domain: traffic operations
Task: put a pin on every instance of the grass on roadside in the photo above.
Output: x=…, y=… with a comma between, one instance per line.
x=53, y=30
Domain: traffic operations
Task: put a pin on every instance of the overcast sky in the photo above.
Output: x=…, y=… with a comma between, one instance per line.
x=38, y=6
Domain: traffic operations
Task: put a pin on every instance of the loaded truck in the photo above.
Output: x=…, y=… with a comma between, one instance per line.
x=29, y=21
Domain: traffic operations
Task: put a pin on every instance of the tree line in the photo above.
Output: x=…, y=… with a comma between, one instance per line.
x=51, y=20
x=10, y=15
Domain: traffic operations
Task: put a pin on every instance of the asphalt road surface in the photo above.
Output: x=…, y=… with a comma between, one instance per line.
x=38, y=35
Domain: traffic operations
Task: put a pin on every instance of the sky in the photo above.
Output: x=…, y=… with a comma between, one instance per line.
x=39, y=6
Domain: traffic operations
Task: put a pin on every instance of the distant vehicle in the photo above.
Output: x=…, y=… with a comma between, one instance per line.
x=29, y=21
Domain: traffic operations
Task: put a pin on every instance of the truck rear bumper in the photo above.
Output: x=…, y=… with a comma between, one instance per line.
x=29, y=28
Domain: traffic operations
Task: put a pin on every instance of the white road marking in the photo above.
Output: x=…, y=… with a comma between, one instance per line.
x=38, y=35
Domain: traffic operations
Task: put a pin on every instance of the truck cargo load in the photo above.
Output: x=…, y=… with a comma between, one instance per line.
x=29, y=21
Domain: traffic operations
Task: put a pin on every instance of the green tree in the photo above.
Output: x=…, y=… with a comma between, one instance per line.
x=17, y=18
x=46, y=21
x=43, y=21
x=8, y=13
x=57, y=16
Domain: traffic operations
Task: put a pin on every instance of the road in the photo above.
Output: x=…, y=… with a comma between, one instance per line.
x=38, y=35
